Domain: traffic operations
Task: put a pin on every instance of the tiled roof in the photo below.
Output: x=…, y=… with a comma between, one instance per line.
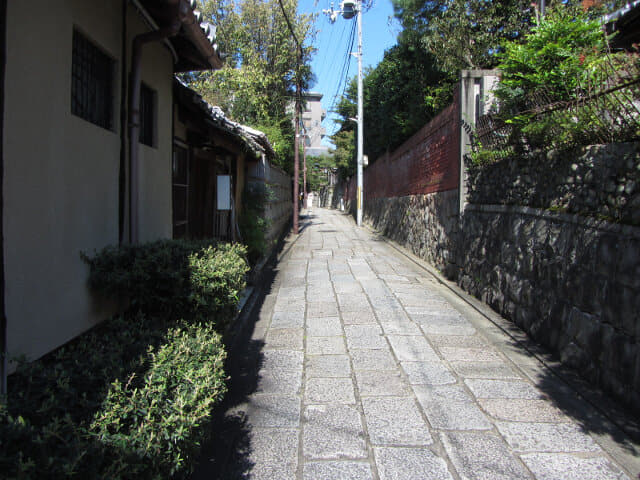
x=253, y=140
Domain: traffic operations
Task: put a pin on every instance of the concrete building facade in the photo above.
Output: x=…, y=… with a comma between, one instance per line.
x=312, y=117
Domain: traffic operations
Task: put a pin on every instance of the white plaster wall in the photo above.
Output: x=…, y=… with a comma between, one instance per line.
x=155, y=162
x=61, y=172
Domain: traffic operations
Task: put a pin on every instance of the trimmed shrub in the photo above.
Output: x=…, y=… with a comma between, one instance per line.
x=130, y=398
x=126, y=400
x=173, y=278
x=253, y=225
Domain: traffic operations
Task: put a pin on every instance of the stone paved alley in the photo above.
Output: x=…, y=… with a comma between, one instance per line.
x=369, y=367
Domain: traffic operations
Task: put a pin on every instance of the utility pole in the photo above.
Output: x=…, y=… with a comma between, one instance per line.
x=360, y=116
x=349, y=9
x=296, y=160
x=304, y=171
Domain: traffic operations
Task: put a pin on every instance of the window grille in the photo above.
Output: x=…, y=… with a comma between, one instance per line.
x=92, y=74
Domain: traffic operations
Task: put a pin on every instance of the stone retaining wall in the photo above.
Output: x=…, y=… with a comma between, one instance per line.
x=424, y=224
x=571, y=282
x=599, y=180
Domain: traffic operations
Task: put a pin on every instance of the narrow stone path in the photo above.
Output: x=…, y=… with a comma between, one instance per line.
x=368, y=370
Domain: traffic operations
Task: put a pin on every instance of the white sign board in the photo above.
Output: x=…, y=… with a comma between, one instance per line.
x=224, y=192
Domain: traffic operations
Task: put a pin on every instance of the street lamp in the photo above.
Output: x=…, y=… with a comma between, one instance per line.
x=349, y=9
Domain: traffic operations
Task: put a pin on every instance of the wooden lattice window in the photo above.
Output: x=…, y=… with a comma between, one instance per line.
x=92, y=78
x=180, y=191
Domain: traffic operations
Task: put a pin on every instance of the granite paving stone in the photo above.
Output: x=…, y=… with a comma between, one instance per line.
x=328, y=366
x=364, y=337
x=290, y=306
x=458, y=354
x=353, y=302
x=498, y=370
x=412, y=349
x=460, y=341
x=287, y=320
x=285, y=338
x=325, y=346
x=322, y=309
x=324, y=327
x=484, y=388
x=282, y=359
x=399, y=327
x=482, y=456
x=407, y=463
x=380, y=359
x=365, y=316
x=363, y=365
x=285, y=382
x=546, y=466
x=273, y=453
x=380, y=383
x=546, y=437
x=329, y=390
x=333, y=432
x=395, y=421
x=428, y=373
x=520, y=410
x=275, y=411
x=449, y=407
x=340, y=470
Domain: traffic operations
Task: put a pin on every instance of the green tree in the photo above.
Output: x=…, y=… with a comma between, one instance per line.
x=464, y=33
x=263, y=65
x=317, y=171
x=401, y=94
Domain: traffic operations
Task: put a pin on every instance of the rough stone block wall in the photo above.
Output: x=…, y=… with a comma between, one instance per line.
x=571, y=282
x=424, y=224
x=599, y=180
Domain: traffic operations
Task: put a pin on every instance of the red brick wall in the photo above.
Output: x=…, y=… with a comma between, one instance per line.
x=428, y=162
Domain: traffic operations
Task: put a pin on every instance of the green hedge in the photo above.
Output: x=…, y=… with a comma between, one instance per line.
x=174, y=278
x=130, y=398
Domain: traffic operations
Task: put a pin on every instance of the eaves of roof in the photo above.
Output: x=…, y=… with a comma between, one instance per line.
x=253, y=141
x=195, y=44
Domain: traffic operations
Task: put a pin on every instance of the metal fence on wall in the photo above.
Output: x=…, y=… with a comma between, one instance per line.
x=606, y=109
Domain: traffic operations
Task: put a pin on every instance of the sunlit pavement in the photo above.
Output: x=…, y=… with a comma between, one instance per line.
x=368, y=366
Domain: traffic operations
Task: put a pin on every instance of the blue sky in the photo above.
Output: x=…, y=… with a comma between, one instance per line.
x=379, y=32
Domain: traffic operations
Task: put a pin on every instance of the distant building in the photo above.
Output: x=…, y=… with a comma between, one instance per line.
x=312, y=117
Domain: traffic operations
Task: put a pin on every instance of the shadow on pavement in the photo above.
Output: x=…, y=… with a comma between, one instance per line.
x=226, y=455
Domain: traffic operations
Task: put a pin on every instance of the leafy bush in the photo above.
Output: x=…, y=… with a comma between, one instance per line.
x=125, y=400
x=131, y=397
x=556, y=59
x=173, y=278
x=253, y=225
x=560, y=88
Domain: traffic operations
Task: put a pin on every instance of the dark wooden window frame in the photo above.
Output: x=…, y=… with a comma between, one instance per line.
x=148, y=115
x=180, y=186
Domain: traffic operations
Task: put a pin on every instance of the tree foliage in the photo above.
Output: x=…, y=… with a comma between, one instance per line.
x=318, y=168
x=548, y=94
x=464, y=34
x=401, y=94
x=263, y=64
